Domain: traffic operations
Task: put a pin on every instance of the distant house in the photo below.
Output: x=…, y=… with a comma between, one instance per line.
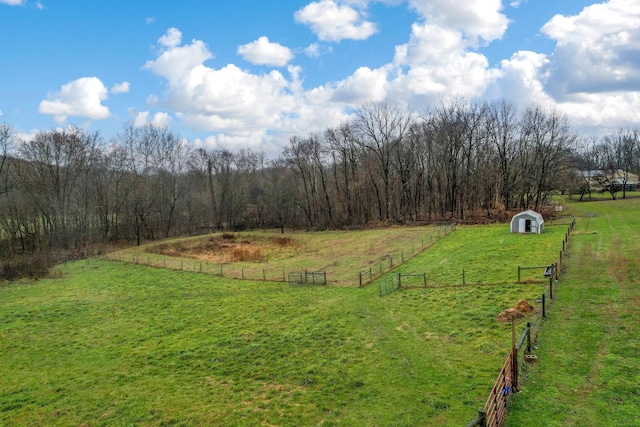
x=527, y=222
x=599, y=180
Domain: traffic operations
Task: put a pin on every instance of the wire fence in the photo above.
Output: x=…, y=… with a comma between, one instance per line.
x=390, y=261
x=228, y=270
x=307, y=278
x=520, y=357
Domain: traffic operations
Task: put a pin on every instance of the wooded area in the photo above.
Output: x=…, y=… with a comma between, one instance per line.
x=70, y=188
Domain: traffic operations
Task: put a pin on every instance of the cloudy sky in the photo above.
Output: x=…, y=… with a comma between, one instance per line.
x=252, y=73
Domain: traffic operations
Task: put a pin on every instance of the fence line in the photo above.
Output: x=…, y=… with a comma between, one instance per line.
x=370, y=274
x=217, y=269
x=307, y=278
x=507, y=383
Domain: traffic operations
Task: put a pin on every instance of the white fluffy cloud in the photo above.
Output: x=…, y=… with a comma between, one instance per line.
x=333, y=22
x=520, y=79
x=172, y=38
x=120, y=88
x=158, y=119
x=436, y=62
x=12, y=2
x=364, y=84
x=592, y=75
x=597, y=50
x=79, y=98
x=264, y=52
x=478, y=21
x=239, y=108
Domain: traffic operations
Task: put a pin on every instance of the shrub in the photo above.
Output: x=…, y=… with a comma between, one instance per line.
x=34, y=266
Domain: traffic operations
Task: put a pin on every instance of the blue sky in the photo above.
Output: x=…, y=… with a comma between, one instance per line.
x=251, y=74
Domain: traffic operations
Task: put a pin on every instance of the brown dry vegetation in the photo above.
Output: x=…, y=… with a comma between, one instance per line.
x=227, y=247
x=522, y=309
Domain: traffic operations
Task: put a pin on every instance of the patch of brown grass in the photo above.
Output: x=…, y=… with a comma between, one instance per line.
x=246, y=253
x=282, y=241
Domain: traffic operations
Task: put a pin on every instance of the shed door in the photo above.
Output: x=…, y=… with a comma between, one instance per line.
x=522, y=224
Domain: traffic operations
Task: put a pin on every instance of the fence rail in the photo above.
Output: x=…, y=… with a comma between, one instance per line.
x=502, y=390
x=492, y=415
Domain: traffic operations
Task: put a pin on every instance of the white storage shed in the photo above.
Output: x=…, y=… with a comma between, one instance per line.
x=527, y=222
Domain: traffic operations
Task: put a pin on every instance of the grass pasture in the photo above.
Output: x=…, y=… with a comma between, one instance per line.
x=113, y=343
x=488, y=255
x=589, y=348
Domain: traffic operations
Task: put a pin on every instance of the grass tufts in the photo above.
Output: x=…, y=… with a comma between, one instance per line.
x=246, y=253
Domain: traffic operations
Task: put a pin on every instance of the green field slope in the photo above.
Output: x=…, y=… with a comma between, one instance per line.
x=115, y=344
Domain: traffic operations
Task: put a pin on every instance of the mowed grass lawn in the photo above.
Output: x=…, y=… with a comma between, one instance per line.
x=115, y=343
x=589, y=350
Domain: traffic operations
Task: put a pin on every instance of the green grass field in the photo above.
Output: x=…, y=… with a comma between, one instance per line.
x=589, y=350
x=114, y=343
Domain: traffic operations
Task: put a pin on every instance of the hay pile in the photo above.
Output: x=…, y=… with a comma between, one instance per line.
x=522, y=309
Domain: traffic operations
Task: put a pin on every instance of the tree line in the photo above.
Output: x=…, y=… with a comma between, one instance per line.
x=71, y=188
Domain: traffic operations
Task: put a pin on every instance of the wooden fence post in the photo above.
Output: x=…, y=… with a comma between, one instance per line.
x=514, y=355
x=529, y=338
x=560, y=262
x=551, y=287
x=544, y=313
x=482, y=415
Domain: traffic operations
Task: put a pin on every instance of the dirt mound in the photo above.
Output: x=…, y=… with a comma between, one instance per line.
x=520, y=310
